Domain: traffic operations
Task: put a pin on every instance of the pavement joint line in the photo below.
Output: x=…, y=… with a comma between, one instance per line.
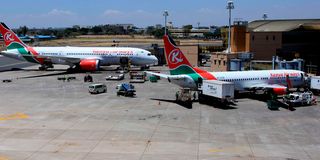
x=148, y=144
x=106, y=134
x=301, y=148
x=199, y=132
x=64, y=131
x=246, y=137
x=310, y=136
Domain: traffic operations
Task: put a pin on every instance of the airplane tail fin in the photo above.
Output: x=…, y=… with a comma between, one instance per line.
x=11, y=40
x=177, y=62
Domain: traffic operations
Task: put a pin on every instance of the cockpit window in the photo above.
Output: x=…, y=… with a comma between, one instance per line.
x=149, y=54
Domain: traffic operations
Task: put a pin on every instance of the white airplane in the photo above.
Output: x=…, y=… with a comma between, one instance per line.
x=186, y=76
x=84, y=58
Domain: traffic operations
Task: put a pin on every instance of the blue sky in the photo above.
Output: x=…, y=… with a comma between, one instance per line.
x=65, y=13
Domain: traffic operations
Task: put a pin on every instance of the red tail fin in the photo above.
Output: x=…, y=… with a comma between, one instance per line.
x=10, y=37
x=12, y=41
x=174, y=55
x=178, y=63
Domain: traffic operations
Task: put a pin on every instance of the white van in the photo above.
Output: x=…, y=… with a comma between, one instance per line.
x=97, y=88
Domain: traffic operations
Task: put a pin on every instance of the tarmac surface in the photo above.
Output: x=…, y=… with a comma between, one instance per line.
x=7, y=64
x=43, y=118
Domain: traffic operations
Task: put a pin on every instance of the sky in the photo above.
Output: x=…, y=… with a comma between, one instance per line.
x=142, y=13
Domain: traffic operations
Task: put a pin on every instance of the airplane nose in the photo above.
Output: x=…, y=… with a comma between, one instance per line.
x=154, y=60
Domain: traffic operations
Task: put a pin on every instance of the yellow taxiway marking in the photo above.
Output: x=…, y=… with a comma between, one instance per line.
x=13, y=117
x=215, y=150
x=3, y=158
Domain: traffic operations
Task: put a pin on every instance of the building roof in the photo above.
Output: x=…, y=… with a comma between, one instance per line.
x=283, y=25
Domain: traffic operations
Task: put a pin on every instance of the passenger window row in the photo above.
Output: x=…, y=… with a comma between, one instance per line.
x=246, y=79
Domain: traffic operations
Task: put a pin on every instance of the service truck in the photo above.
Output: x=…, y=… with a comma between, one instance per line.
x=216, y=90
x=315, y=84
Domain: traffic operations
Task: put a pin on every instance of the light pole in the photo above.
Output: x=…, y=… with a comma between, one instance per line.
x=230, y=6
x=198, y=32
x=265, y=16
x=165, y=14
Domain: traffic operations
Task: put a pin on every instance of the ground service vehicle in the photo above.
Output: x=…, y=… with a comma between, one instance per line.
x=299, y=98
x=184, y=95
x=115, y=77
x=315, y=84
x=97, y=88
x=126, y=89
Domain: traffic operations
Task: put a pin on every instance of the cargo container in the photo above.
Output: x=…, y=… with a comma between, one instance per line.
x=315, y=83
x=217, y=90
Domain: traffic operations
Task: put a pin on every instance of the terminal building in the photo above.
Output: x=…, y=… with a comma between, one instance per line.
x=262, y=39
x=288, y=39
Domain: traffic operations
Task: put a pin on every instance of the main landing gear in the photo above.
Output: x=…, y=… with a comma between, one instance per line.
x=45, y=67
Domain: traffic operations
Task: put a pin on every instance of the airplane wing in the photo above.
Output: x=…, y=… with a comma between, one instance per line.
x=157, y=74
x=267, y=86
x=67, y=59
x=169, y=77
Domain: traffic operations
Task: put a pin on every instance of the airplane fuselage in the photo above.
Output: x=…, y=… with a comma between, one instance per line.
x=105, y=55
x=244, y=80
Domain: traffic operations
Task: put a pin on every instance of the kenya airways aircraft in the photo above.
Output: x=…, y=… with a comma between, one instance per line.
x=186, y=76
x=84, y=58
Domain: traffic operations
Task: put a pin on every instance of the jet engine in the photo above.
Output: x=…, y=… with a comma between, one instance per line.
x=279, y=91
x=89, y=64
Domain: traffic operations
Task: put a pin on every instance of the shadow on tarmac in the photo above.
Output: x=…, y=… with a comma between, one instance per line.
x=264, y=98
x=189, y=105
x=185, y=105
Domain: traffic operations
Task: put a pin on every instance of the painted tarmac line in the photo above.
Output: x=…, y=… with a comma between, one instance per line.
x=3, y=158
x=13, y=117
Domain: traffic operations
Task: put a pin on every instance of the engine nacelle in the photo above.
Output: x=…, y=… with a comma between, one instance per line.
x=89, y=64
x=279, y=91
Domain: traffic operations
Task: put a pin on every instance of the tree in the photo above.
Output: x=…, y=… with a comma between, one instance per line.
x=158, y=33
x=97, y=29
x=76, y=28
x=23, y=30
x=150, y=30
x=208, y=35
x=187, y=30
x=84, y=31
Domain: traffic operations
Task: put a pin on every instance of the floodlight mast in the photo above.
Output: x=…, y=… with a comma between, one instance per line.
x=265, y=16
x=165, y=14
x=230, y=6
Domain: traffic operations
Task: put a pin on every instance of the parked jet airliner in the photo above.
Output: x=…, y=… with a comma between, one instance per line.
x=186, y=76
x=84, y=58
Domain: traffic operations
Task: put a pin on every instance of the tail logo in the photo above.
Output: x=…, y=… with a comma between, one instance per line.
x=175, y=56
x=8, y=37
